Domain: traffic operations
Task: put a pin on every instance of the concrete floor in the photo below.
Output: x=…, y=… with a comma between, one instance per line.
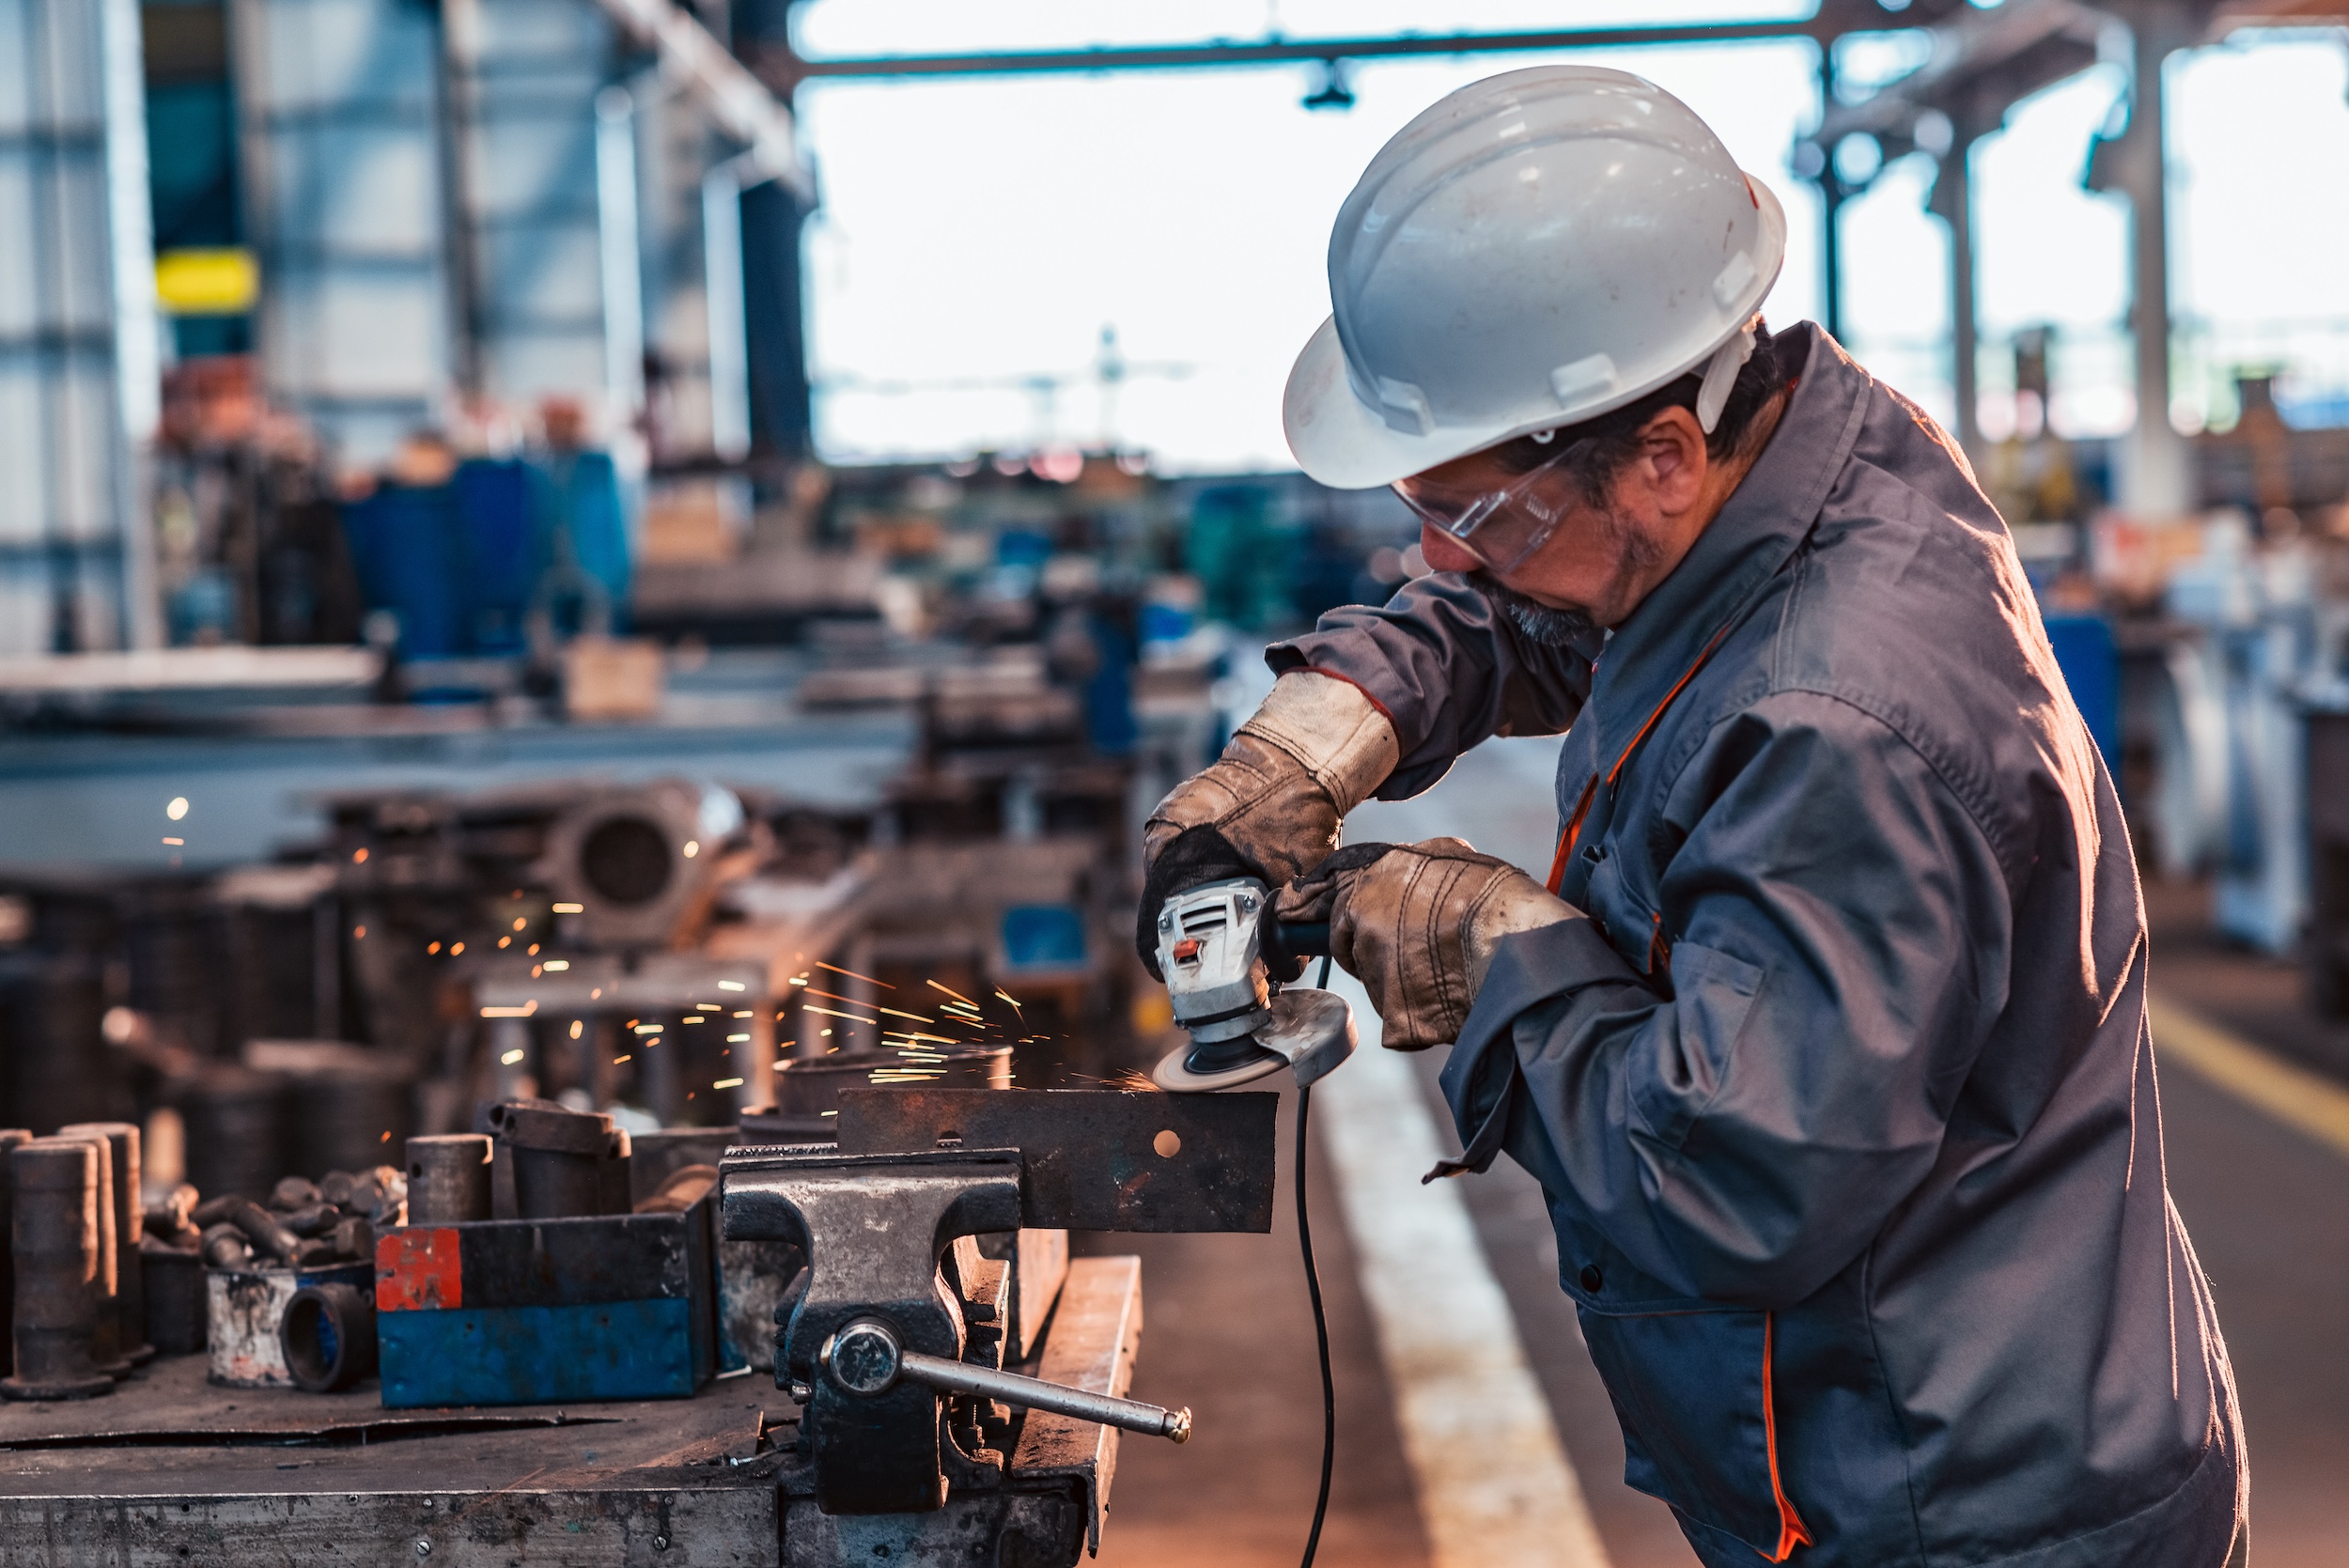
x=1227, y=1330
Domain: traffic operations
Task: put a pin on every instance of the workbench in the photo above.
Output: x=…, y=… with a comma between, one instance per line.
x=171, y=1470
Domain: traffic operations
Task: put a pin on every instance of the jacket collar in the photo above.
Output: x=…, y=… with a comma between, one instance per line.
x=1759, y=528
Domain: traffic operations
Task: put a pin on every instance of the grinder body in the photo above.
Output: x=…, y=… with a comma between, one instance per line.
x=1219, y=946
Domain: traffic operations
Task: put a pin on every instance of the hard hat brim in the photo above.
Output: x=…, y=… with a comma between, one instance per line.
x=1343, y=442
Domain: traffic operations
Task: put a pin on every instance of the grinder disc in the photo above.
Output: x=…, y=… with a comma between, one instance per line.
x=1174, y=1072
x=1310, y=1031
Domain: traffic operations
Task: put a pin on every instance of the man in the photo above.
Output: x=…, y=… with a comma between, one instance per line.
x=1827, y=1039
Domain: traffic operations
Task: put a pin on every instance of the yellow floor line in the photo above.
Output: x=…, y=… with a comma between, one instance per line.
x=2252, y=1074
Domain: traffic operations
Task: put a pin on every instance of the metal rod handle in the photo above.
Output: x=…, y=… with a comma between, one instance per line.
x=961, y=1377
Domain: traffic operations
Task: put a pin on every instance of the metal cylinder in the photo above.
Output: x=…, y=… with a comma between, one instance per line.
x=448, y=1179
x=106, y=1346
x=619, y=1155
x=175, y=1301
x=54, y=1241
x=339, y=1115
x=235, y=1130
x=269, y=1237
x=10, y=1138
x=327, y=1335
x=562, y=1159
x=122, y=1139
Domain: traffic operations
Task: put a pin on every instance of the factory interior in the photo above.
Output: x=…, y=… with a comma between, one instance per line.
x=594, y=596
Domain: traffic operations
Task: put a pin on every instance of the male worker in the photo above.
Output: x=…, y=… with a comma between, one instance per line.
x=1827, y=1039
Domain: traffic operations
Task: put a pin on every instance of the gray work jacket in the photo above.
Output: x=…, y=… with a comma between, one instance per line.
x=1842, y=1098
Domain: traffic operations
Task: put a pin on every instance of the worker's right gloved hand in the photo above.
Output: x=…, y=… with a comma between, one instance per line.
x=1269, y=808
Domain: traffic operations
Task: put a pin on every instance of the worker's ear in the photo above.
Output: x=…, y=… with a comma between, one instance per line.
x=1671, y=460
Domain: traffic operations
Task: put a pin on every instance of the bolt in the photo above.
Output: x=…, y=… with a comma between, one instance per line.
x=424, y=1548
x=660, y=1542
x=1166, y=922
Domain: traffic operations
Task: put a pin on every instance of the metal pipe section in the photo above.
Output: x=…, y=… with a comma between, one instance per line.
x=122, y=1153
x=448, y=1179
x=566, y=1163
x=59, y=1301
x=1277, y=51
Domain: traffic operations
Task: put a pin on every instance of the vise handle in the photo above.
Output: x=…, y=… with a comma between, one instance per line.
x=864, y=1359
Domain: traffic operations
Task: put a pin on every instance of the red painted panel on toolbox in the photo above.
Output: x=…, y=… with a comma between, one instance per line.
x=416, y=1271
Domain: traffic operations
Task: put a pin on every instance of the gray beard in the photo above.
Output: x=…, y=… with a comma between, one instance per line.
x=1543, y=624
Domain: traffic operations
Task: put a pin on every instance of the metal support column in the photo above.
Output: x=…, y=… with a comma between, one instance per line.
x=340, y=111
x=729, y=340
x=1952, y=199
x=535, y=203
x=138, y=327
x=2157, y=476
x=77, y=329
x=622, y=255
x=1830, y=207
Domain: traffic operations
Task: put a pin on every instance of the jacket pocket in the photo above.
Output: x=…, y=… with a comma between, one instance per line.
x=1693, y=1393
x=1631, y=924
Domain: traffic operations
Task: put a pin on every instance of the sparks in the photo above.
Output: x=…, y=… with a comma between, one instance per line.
x=853, y=975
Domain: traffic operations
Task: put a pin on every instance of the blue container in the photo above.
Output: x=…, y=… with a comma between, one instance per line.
x=404, y=546
x=1043, y=938
x=583, y=532
x=498, y=547
x=538, y=1311
x=2090, y=660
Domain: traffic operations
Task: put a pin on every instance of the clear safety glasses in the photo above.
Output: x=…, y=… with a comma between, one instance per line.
x=1500, y=519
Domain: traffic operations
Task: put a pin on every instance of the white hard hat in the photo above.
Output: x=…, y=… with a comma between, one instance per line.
x=1535, y=249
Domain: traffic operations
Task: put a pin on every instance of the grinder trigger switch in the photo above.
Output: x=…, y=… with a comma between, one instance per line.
x=1213, y=942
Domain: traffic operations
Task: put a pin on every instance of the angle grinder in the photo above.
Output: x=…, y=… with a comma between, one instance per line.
x=1219, y=947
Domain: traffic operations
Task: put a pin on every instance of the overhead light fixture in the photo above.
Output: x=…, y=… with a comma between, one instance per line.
x=1335, y=91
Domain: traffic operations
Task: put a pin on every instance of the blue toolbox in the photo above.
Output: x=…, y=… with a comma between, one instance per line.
x=536, y=1311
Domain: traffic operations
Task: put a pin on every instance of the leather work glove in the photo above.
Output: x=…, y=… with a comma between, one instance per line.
x=1270, y=807
x=1418, y=924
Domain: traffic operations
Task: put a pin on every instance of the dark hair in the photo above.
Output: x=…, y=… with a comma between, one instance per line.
x=1605, y=445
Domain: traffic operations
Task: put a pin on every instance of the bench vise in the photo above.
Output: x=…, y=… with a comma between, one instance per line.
x=934, y=1239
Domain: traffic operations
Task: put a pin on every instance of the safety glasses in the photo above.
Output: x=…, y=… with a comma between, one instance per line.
x=1499, y=520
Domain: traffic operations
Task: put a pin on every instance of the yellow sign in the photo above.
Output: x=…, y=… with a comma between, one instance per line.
x=218, y=281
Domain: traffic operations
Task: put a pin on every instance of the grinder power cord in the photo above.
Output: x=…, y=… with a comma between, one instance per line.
x=1417, y=922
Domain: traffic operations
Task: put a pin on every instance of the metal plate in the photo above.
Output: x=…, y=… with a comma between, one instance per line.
x=179, y=1473
x=1090, y=1157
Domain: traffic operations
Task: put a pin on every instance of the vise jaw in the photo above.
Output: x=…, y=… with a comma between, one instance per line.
x=872, y=1228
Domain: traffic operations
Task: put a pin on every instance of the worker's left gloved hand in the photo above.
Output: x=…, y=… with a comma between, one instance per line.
x=1417, y=925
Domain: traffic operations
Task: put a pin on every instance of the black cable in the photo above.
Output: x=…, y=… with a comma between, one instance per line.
x=1321, y=1321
